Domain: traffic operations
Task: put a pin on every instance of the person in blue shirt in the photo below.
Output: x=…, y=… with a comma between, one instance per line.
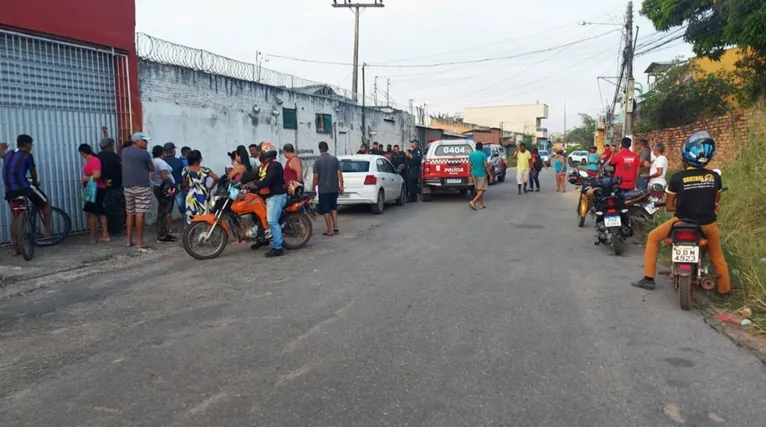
x=593, y=159
x=178, y=164
x=480, y=175
x=16, y=165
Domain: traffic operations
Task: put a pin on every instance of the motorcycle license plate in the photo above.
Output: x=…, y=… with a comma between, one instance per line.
x=650, y=208
x=686, y=254
x=612, y=221
x=454, y=181
x=234, y=193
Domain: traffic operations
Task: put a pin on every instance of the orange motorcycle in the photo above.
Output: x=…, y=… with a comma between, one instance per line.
x=241, y=215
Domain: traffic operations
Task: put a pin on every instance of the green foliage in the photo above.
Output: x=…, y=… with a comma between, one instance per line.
x=678, y=99
x=714, y=26
x=583, y=134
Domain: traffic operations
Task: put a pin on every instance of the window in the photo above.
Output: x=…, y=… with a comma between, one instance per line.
x=347, y=165
x=324, y=123
x=289, y=118
x=385, y=166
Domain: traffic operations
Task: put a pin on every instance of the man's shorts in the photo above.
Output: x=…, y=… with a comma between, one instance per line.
x=33, y=193
x=328, y=202
x=138, y=200
x=480, y=184
x=522, y=176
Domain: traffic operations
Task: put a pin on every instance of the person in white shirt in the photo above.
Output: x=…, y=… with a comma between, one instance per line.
x=659, y=166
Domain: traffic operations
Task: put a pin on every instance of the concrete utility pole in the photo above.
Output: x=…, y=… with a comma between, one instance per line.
x=388, y=92
x=356, y=8
x=631, y=82
x=375, y=89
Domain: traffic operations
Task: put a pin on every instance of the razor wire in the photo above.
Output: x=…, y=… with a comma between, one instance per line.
x=169, y=53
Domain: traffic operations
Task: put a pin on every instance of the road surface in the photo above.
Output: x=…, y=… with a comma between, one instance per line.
x=428, y=315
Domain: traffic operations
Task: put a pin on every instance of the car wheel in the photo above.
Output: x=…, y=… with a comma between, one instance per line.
x=378, y=207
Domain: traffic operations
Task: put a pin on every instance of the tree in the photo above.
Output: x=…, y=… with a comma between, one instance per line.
x=679, y=98
x=583, y=134
x=715, y=25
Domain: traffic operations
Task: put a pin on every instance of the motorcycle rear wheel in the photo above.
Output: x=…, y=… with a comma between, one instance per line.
x=296, y=230
x=194, y=230
x=685, y=292
x=617, y=245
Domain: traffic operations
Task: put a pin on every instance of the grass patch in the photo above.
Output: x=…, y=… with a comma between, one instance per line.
x=742, y=219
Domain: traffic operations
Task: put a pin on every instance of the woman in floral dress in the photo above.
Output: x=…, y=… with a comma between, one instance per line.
x=195, y=178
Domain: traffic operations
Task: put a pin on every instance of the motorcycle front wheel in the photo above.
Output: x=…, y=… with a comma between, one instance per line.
x=202, y=243
x=297, y=230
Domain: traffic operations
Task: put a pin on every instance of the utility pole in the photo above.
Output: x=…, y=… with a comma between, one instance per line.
x=565, y=119
x=411, y=101
x=629, y=87
x=356, y=8
x=364, y=109
x=375, y=88
x=388, y=92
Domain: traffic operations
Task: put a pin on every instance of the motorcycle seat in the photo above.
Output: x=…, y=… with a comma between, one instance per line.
x=635, y=194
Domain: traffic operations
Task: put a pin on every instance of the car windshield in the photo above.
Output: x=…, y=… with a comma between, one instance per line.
x=453, y=150
x=487, y=151
x=348, y=165
x=543, y=152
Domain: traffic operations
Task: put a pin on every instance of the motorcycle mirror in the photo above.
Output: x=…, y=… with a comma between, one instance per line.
x=718, y=171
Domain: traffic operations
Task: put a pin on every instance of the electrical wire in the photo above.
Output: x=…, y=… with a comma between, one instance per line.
x=545, y=78
x=442, y=64
x=439, y=80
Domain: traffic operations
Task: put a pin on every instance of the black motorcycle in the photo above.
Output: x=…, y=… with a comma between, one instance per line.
x=613, y=224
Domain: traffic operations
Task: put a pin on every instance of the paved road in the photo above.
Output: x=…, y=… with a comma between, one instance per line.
x=429, y=315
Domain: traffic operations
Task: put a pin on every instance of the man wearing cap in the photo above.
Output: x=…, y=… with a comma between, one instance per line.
x=111, y=173
x=136, y=166
x=178, y=165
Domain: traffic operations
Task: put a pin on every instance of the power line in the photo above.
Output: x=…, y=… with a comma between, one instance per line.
x=442, y=64
x=527, y=85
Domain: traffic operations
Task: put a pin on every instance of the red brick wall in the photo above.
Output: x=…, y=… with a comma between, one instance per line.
x=730, y=132
x=492, y=136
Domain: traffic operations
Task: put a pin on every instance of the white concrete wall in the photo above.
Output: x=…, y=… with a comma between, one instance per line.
x=214, y=114
x=512, y=118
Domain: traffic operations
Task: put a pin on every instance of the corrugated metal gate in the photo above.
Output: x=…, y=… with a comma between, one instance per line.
x=61, y=94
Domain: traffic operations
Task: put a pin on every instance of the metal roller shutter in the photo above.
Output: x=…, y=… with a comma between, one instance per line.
x=61, y=94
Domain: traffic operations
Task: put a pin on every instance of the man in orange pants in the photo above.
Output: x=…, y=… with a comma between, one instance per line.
x=693, y=194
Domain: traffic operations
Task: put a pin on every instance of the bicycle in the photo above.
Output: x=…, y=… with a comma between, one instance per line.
x=27, y=231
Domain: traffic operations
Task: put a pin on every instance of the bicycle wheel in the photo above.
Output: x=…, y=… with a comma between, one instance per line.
x=60, y=224
x=25, y=243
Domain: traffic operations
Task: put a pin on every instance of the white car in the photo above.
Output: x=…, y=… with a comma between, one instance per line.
x=578, y=158
x=370, y=179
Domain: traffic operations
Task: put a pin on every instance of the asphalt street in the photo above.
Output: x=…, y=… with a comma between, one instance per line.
x=428, y=315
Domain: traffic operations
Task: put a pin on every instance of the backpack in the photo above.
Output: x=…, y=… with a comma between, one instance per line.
x=538, y=163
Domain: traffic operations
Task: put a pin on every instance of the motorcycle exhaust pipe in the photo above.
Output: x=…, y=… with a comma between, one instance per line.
x=708, y=283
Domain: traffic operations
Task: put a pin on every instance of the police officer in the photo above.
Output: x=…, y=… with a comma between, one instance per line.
x=414, y=158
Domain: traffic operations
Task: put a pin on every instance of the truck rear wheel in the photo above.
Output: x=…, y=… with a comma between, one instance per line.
x=426, y=196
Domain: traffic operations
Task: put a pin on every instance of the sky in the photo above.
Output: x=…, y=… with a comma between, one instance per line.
x=400, y=38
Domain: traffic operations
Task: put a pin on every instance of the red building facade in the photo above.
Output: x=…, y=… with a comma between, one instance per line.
x=96, y=23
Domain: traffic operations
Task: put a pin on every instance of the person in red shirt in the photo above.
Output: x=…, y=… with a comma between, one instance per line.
x=607, y=153
x=626, y=163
